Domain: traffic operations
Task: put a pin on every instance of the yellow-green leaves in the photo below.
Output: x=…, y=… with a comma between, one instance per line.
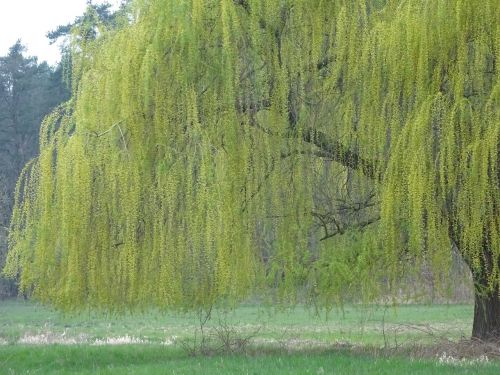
x=183, y=172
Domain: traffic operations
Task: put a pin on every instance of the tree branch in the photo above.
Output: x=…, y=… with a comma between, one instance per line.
x=328, y=146
x=340, y=153
x=360, y=225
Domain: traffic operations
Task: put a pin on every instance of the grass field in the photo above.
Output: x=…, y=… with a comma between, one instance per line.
x=38, y=340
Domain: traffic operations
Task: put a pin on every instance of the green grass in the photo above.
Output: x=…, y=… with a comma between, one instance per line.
x=355, y=325
x=292, y=342
x=154, y=359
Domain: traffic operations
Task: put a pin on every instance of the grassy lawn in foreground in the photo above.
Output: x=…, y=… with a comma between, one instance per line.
x=156, y=359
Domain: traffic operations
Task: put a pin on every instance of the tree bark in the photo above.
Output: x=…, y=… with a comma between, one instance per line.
x=340, y=153
x=486, y=325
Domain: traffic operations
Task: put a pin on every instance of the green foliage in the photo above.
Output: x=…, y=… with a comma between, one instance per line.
x=77, y=36
x=28, y=91
x=86, y=27
x=443, y=172
x=205, y=125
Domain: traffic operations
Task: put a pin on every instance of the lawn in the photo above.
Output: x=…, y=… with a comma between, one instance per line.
x=155, y=359
x=20, y=320
x=36, y=339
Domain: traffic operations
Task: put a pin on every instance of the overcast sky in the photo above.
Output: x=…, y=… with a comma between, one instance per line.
x=30, y=20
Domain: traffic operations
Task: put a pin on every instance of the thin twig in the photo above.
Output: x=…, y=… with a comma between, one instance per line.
x=111, y=128
x=123, y=139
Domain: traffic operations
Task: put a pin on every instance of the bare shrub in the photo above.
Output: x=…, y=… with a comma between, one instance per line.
x=222, y=338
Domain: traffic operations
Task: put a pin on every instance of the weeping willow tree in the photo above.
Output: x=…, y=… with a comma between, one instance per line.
x=203, y=129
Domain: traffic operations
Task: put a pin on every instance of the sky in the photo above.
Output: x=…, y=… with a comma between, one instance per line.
x=30, y=20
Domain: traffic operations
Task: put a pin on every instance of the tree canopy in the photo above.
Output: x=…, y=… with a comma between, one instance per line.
x=190, y=165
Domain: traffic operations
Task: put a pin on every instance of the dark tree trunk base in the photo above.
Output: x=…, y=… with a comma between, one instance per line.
x=486, y=324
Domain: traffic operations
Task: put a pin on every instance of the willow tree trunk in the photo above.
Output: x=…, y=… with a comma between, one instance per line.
x=486, y=325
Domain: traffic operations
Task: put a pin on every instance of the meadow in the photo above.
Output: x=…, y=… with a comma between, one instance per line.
x=252, y=339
